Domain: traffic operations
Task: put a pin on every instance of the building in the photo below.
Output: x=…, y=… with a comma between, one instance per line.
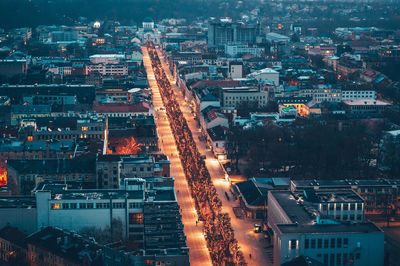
x=12, y=149
x=106, y=59
x=84, y=93
x=13, y=67
x=301, y=225
x=107, y=69
x=148, y=32
x=322, y=93
x=23, y=175
x=266, y=74
x=132, y=211
x=88, y=126
x=192, y=58
x=12, y=246
x=237, y=49
x=378, y=194
x=365, y=107
x=223, y=32
x=20, y=112
x=218, y=138
x=253, y=195
x=235, y=70
x=20, y=212
x=358, y=94
x=54, y=246
x=50, y=99
x=234, y=97
x=111, y=170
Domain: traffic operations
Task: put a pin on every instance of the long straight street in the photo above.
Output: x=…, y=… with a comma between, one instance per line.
x=249, y=242
x=198, y=252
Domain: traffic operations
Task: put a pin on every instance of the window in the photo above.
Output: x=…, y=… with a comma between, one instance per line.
x=73, y=205
x=136, y=229
x=90, y=205
x=352, y=206
x=331, y=206
x=135, y=205
x=325, y=259
x=338, y=259
x=293, y=244
x=136, y=218
x=344, y=216
x=326, y=243
x=55, y=206
x=82, y=205
x=338, y=206
x=324, y=207
x=359, y=206
x=320, y=243
x=65, y=205
x=345, y=259
x=333, y=242
x=359, y=217
x=307, y=243
x=345, y=242
x=358, y=256
x=332, y=262
x=339, y=243
x=312, y=243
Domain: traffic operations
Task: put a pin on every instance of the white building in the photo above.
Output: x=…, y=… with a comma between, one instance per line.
x=304, y=226
x=106, y=58
x=83, y=209
x=108, y=69
x=235, y=49
x=235, y=70
x=233, y=97
x=358, y=94
x=266, y=74
x=149, y=32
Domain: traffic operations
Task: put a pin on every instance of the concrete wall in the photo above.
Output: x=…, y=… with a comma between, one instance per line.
x=22, y=218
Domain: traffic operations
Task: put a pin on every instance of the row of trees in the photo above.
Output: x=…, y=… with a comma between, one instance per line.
x=222, y=245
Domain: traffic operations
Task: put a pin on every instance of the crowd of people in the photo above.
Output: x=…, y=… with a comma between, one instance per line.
x=222, y=245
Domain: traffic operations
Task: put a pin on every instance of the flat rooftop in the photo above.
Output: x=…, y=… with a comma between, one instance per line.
x=292, y=208
x=366, y=102
x=17, y=202
x=97, y=194
x=342, y=183
x=329, y=228
x=331, y=196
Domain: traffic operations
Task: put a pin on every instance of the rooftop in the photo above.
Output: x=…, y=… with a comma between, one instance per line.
x=368, y=227
x=65, y=244
x=53, y=166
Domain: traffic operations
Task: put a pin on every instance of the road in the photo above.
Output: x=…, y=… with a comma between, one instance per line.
x=198, y=251
x=249, y=241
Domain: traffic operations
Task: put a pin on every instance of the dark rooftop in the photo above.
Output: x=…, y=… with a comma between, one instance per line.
x=368, y=227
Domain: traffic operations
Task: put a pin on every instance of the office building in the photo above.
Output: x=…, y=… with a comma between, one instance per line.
x=302, y=225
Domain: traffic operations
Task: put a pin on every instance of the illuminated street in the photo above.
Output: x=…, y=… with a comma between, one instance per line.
x=249, y=242
x=198, y=252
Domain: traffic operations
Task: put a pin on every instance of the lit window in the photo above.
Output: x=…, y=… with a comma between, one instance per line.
x=55, y=206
